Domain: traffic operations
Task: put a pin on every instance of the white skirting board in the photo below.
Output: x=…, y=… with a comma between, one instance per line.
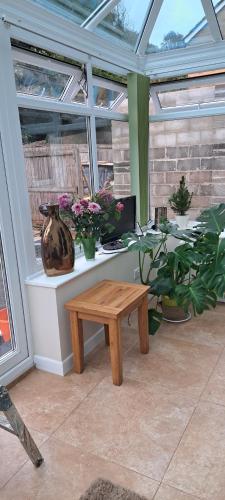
x=63, y=367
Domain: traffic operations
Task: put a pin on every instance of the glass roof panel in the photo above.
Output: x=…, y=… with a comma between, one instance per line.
x=179, y=24
x=33, y=80
x=74, y=10
x=219, y=6
x=125, y=21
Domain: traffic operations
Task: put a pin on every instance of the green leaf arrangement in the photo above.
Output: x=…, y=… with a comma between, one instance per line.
x=193, y=273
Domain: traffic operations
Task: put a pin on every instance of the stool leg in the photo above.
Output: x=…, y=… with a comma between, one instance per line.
x=77, y=342
x=106, y=328
x=116, y=351
x=143, y=325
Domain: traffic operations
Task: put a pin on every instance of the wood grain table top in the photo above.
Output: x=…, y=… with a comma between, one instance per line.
x=108, y=298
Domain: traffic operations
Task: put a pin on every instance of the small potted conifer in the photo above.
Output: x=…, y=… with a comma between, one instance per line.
x=180, y=202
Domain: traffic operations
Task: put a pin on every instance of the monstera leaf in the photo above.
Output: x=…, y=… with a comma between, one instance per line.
x=213, y=219
x=154, y=320
x=162, y=285
x=140, y=243
x=196, y=294
x=180, y=234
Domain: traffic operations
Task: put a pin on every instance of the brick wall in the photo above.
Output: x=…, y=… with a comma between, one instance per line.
x=204, y=170
x=194, y=148
x=121, y=158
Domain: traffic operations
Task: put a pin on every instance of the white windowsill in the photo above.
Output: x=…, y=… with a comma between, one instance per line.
x=81, y=266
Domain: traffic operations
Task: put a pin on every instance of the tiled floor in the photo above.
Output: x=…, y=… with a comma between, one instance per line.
x=162, y=433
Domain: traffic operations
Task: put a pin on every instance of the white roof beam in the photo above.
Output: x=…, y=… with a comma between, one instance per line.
x=153, y=12
x=212, y=20
x=99, y=14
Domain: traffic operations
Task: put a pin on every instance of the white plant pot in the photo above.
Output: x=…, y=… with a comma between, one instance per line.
x=182, y=221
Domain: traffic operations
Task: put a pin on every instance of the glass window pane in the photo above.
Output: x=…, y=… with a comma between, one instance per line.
x=195, y=148
x=113, y=155
x=56, y=156
x=76, y=11
x=104, y=98
x=125, y=21
x=39, y=81
x=179, y=24
x=6, y=337
x=195, y=95
x=123, y=106
x=79, y=97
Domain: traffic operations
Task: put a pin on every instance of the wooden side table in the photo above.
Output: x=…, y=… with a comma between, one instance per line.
x=107, y=302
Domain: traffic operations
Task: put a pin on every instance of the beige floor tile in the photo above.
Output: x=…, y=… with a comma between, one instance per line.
x=168, y=493
x=100, y=357
x=133, y=425
x=207, y=329
x=199, y=462
x=12, y=453
x=44, y=399
x=67, y=472
x=181, y=366
x=215, y=389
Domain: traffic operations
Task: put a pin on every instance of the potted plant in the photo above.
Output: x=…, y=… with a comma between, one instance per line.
x=180, y=202
x=90, y=216
x=193, y=274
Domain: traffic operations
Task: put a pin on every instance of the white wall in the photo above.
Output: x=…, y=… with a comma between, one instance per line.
x=50, y=321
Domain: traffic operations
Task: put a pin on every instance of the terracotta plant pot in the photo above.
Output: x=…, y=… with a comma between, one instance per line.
x=171, y=311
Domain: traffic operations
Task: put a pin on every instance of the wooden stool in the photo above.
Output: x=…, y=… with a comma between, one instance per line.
x=106, y=303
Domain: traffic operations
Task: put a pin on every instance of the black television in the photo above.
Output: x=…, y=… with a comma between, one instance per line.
x=127, y=222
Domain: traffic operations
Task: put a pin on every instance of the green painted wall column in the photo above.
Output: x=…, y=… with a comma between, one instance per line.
x=138, y=108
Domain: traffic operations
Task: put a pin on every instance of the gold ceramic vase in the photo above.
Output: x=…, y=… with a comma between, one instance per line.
x=57, y=248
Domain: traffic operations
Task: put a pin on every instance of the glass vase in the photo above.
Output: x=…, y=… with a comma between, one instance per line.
x=89, y=245
x=57, y=247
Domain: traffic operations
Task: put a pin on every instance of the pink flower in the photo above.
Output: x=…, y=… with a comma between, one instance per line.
x=94, y=207
x=65, y=201
x=77, y=208
x=119, y=207
x=84, y=203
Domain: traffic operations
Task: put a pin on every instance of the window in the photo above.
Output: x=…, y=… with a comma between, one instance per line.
x=56, y=142
x=56, y=158
x=125, y=21
x=39, y=81
x=179, y=24
x=42, y=77
x=113, y=155
x=75, y=11
x=194, y=148
x=193, y=93
x=7, y=341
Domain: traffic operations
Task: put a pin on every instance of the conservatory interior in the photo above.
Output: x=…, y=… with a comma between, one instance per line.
x=112, y=367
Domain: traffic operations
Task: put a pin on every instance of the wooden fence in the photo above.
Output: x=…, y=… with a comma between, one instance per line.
x=52, y=169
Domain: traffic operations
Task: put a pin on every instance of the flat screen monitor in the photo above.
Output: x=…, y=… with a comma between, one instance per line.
x=127, y=222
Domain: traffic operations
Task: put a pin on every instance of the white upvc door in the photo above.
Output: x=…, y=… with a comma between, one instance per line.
x=13, y=338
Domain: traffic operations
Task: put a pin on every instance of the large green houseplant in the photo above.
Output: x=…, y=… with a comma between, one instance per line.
x=193, y=274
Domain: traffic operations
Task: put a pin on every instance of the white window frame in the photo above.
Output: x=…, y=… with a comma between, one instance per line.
x=189, y=110
x=65, y=105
